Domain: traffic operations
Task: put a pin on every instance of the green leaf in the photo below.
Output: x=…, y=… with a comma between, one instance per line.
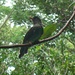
x=48, y=30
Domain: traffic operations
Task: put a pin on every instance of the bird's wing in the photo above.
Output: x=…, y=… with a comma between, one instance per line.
x=33, y=34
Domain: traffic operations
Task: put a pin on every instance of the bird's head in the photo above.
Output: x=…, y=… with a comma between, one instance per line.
x=36, y=20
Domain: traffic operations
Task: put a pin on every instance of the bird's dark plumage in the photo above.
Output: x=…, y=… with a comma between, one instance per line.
x=32, y=35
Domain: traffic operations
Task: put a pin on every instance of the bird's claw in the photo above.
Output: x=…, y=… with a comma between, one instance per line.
x=30, y=43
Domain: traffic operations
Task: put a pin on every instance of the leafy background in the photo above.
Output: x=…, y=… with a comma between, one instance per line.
x=55, y=57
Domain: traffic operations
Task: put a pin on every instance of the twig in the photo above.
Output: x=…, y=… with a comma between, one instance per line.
x=8, y=16
x=44, y=40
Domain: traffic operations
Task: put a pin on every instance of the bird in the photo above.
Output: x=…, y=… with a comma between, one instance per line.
x=33, y=35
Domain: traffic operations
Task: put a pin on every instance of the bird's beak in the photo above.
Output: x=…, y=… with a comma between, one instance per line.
x=30, y=18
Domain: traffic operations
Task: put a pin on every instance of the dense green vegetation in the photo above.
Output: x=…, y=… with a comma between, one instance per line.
x=55, y=57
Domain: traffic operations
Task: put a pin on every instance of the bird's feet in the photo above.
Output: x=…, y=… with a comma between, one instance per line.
x=30, y=43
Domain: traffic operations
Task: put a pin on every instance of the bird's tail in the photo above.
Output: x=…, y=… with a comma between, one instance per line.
x=23, y=51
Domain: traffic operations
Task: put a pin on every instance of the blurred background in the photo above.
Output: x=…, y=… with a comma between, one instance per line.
x=55, y=57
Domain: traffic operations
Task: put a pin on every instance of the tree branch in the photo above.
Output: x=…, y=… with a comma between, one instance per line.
x=8, y=16
x=44, y=40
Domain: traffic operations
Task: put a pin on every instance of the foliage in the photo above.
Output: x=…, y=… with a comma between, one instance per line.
x=55, y=57
x=48, y=30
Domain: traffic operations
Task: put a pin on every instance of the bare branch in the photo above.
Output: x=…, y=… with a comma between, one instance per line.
x=44, y=40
